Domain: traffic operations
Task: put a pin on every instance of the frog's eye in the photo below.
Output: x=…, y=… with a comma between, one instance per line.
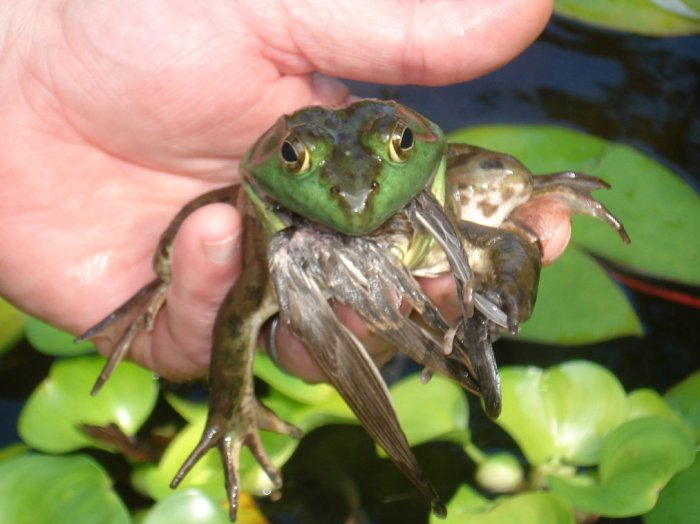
x=401, y=142
x=295, y=156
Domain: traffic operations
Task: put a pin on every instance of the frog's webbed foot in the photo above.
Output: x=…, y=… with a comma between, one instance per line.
x=121, y=327
x=574, y=189
x=229, y=432
x=508, y=269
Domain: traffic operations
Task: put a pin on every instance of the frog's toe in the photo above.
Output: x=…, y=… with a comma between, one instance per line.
x=229, y=436
x=574, y=189
x=119, y=329
x=268, y=420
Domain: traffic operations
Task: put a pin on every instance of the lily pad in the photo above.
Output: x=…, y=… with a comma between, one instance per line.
x=52, y=341
x=595, y=307
x=636, y=462
x=60, y=490
x=526, y=508
x=646, y=17
x=11, y=325
x=563, y=413
x=659, y=210
x=51, y=417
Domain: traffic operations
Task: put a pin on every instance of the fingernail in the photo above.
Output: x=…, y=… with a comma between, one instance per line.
x=222, y=251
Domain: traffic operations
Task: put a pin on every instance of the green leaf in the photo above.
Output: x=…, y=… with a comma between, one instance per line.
x=678, y=502
x=527, y=508
x=684, y=398
x=645, y=17
x=659, y=210
x=577, y=303
x=51, y=417
x=289, y=385
x=52, y=341
x=648, y=403
x=436, y=410
x=60, y=490
x=562, y=413
x=187, y=507
x=500, y=473
x=11, y=326
x=636, y=462
x=13, y=450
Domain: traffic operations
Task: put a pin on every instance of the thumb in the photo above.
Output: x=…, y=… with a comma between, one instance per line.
x=206, y=261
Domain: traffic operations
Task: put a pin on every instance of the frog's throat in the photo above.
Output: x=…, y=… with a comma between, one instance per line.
x=421, y=244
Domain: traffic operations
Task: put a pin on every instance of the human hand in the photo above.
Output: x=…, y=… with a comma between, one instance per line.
x=120, y=112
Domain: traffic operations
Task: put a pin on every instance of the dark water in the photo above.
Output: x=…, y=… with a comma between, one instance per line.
x=640, y=91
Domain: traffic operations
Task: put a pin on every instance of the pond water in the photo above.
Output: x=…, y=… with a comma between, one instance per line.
x=639, y=91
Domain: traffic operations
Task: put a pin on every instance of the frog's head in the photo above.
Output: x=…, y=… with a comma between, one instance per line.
x=349, y=168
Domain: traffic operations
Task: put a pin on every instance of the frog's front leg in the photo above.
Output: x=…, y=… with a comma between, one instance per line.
x=507, y=268
x=121, y=327
x=507, y=265
x=235, y=415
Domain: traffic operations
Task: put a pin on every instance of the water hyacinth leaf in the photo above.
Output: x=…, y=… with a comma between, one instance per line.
x=53, y=413
x=435, y=410
x=11, y=326
x=596, y=309
x=636, y=462
x=644, y=17
x=684, y=398
x=526, y=508
x=190, y=506
x=52, y=341
x=13, y=450
x=659, y=210
x=678, y=502
x=60, y=490
x=648, y=403
x=561, y=413
x=289, y=385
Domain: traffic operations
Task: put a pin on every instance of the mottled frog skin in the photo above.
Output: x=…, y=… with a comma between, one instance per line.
x=349, y=204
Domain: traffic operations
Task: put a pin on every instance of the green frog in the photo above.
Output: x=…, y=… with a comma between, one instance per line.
x=348, y=205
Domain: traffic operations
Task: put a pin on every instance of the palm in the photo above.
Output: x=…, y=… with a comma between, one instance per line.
x=129, y=109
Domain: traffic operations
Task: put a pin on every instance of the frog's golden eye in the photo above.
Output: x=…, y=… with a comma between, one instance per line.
x=295, y=156
x=401, y=142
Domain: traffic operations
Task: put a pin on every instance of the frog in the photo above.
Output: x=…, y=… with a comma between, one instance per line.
x=350, y=204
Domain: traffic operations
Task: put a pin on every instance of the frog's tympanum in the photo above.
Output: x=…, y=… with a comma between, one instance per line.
x=348, y=205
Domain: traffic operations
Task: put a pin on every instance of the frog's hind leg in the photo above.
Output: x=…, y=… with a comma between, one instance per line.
x=235, y=415
x=121, y=327
x=574, y=189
